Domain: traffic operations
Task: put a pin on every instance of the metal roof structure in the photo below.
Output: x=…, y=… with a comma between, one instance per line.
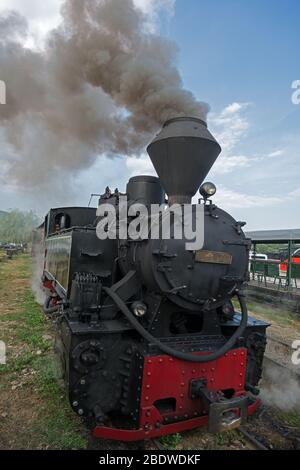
x=275, y=236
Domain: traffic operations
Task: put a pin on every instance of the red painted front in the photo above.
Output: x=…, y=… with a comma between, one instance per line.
x=164, y=378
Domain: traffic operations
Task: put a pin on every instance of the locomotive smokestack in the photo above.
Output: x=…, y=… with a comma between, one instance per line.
x=182, y=154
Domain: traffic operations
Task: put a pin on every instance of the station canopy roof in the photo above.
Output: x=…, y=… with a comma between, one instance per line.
x=275, y=236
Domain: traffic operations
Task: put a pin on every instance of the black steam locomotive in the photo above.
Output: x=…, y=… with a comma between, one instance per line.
x=147, y=332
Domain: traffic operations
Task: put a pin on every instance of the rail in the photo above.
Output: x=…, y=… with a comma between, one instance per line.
x=281, y=274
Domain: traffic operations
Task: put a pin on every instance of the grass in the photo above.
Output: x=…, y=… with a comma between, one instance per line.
x=171, y=441
x=273, y=313
x=290, y=418
x=58, y=414
x=227, y=438
x=31, y=363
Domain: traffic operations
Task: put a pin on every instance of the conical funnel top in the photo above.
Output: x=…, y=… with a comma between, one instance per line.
x=182, y=154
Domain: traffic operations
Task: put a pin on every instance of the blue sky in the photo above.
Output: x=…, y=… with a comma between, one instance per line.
x=241, y=57
x=235, y=50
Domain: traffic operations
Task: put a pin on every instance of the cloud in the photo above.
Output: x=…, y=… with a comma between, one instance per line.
x=140, y=166
x=226, y=164
x=230, y=128
x=232, y=108
x=230, y=125
x=230, y=199
x=44, y=16
x=41, y=16
x=154, y=10
x=294, y=194
x=275, y=153
x=151, y=6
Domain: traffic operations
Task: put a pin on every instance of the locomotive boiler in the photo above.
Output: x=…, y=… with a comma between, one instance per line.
x=148, y=336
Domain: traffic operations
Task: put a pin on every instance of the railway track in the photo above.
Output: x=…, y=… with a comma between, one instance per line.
x=266, y=431
x=279, y=356
x=252, y=439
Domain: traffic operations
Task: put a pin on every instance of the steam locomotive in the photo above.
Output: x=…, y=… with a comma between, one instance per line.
x=148, y=336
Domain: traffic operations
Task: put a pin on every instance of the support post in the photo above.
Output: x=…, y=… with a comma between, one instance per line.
x=254, y=261
x=289, y=267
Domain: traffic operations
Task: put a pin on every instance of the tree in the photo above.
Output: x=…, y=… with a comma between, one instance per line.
x=16, y=226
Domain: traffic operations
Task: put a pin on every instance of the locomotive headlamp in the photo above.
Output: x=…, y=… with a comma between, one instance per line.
x=207, y=190
x=139, y=309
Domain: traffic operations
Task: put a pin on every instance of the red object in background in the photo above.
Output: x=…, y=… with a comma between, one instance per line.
x=283, y=266
x=168, y=380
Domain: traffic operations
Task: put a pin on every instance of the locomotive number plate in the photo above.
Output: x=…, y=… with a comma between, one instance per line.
x=216, y=257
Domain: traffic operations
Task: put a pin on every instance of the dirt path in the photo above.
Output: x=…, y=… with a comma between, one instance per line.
x=34, y=413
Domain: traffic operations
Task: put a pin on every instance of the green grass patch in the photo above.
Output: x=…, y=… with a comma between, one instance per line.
x=54, y=425
x=291, y=418
x=171, y=441
x=273, y=314
x=19, y=363
x=30, y=322
x=58, y=424
x=227, y=438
